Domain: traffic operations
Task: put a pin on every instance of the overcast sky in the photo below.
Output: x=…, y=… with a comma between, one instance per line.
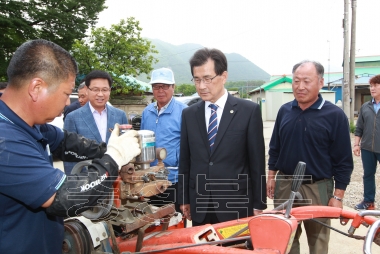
x=273, y=34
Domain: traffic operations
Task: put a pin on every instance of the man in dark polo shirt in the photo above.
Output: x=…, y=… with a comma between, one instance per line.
x=315, y=131
x=35, y=196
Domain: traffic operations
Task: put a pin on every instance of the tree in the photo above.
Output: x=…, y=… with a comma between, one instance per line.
x=120, y=51
x=186, y=89
x=60, y=21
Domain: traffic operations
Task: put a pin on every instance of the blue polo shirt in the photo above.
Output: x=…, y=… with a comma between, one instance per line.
x=27, y=181
x=318, y=136
x=167, y=128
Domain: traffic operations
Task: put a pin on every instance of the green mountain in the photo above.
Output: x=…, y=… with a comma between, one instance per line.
x=177, y=58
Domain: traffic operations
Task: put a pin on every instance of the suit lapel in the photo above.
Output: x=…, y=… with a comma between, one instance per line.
x=110, y=121
x=228, y=114
x=200, y=118
x=89, y=120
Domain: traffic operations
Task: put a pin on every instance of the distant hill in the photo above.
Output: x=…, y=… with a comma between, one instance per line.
x=177, y=58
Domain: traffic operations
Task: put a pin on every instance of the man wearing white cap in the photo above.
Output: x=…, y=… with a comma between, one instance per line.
x=164, y=118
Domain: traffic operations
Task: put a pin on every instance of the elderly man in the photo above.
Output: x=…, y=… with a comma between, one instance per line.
x=82, y=100
x=314, y=131
x=164, y=118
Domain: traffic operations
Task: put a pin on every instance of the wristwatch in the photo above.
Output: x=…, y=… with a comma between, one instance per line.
x=337, y=198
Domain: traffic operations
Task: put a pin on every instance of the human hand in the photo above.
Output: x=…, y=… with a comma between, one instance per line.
x=186, y=211
x=271, y=185
x=257, y=212
x=356, y=150
x=335, y=203
x=123, y=148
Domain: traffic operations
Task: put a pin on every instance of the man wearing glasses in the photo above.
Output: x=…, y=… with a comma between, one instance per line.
x=94, y=119
x=222, y=159
x=164, y=118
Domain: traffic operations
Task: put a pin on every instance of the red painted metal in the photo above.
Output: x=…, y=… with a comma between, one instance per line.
x=261, y=230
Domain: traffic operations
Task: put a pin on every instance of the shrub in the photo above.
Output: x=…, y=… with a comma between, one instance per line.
x=352, y=127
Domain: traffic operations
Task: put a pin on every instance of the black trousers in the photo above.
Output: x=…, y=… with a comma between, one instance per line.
x=210, y=217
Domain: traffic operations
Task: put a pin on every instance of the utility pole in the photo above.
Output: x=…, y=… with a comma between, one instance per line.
x=328, y=81
x=345, y=88
x=352, y=60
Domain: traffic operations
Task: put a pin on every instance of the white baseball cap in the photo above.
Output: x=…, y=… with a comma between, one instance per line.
x=162, y=76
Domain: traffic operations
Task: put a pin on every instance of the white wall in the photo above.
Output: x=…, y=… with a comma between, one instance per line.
x=274, y=100
x=329, y=97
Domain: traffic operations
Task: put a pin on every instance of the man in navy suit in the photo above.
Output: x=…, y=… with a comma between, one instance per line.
x=223, y=175
x=94, y=119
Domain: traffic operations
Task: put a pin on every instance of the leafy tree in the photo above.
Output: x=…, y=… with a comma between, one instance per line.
x=60, y=21
x=186, y=89
x=120, y=51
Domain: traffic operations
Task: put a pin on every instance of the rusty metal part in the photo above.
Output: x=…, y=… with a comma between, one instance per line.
x=143, y=189
x=141, y=216
x=151, y=188
x=127, y=169
x=140, y=237
x=115, y=247
x=165, y=223
x=136, y=177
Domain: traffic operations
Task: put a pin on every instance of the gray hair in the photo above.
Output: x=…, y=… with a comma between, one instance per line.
x=317, y=65
x=81, y=86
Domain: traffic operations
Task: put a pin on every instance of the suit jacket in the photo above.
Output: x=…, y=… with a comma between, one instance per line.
x=82, y=121
x=73, y=106
x=232, y=177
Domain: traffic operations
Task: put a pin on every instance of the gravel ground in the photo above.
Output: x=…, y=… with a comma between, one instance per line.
x=354, y=191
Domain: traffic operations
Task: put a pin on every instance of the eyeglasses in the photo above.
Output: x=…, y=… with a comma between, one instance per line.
x=198, y=81
x=163, y=86
x=98, y=90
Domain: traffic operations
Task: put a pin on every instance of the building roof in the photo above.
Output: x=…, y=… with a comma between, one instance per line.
x=272, y=83
x=145, y=86
x=361, y=59
x=367, y=67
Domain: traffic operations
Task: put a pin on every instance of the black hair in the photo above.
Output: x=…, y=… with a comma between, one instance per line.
x=201, y=56
x=95, y=74
x=41, y=58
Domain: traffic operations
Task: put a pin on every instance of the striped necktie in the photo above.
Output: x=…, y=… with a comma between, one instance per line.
x=212, y=126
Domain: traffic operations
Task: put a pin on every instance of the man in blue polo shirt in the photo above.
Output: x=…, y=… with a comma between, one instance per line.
x=34, y=194
x=164, y=118
x=315, y=131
